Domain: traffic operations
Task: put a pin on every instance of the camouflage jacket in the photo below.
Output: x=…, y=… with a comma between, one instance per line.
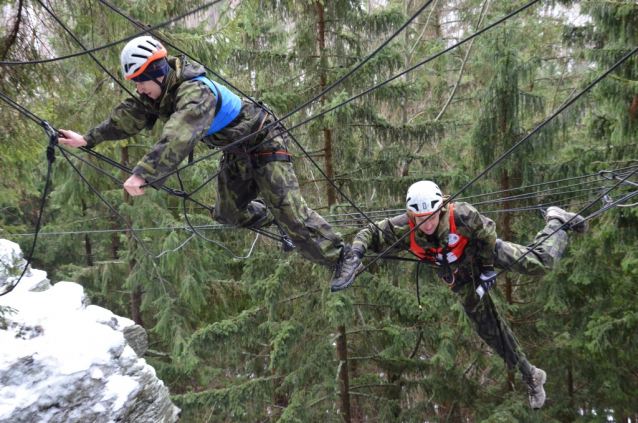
x=187, y=109
x=478, y=229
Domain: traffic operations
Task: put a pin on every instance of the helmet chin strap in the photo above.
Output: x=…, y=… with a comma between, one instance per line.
x=162, y=84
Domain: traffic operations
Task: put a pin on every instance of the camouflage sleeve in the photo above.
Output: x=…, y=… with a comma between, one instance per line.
x=477, y=228
x=194, y=113
x=391, y=230
x=126, y=120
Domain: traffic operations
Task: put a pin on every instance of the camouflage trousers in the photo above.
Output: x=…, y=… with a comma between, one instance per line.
x=482, y=312
x=280, y=201
x=541, y=259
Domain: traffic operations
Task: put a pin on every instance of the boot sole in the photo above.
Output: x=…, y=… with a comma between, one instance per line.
x=346, y=285
x=334, y=288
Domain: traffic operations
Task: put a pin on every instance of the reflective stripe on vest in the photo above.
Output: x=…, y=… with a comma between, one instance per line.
x=230, y=105
x=454, y=249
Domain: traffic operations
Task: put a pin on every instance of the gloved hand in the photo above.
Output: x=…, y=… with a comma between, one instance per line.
x=488, y=279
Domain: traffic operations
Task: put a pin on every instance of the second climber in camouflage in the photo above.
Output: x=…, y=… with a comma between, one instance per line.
x=461, y=246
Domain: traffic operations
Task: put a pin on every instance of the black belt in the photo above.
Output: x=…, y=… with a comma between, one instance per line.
x=274, y=156
x=257, y=159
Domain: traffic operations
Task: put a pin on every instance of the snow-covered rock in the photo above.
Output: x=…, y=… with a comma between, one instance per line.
x=64, y=361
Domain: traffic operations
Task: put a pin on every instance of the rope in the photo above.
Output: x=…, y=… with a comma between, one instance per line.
x=133, y=233
x=195, y=232
x=85, y=49
x=511, y=150
x=287, y=131
x=105, y=46
x=418, y=295
x=549, y=182
x=252, y=149
x=567, y=224
x=50, y=153
x=21, y=109
x=480, y=175
x=171, y=191
x=66, y=153
x=329, y=218
x=614, y=175
x=279, y=120
x=336, y=83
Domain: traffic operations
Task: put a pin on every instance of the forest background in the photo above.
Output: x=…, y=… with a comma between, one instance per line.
x=263, y=339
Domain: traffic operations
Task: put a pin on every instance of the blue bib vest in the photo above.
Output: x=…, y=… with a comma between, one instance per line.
x=227, y=108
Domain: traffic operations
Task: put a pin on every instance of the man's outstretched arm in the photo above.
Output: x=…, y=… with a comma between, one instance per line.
x=378, y=241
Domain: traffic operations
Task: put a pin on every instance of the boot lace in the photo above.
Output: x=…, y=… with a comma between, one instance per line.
x=531, y=386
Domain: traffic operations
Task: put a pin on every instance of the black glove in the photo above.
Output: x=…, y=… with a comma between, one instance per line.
x=488, y=277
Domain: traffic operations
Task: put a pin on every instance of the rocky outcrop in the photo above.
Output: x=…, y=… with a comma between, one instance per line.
x=64, y=361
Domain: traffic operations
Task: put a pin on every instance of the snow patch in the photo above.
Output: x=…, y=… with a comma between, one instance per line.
x=65, y=361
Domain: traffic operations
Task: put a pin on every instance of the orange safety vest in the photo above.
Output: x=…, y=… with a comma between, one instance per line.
x=454, y=249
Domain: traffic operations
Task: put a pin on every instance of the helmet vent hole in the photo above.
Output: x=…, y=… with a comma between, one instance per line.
x=146, y=48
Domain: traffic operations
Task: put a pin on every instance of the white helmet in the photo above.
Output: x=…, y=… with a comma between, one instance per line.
x=423, y=198
x=138, y=53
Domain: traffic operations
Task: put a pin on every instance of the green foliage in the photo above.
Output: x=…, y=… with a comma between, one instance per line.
x=256, y=339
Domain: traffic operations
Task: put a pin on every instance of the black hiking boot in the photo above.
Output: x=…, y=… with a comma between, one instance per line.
x=346, y=269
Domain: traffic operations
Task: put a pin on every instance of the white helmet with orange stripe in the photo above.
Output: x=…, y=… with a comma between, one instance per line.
x=423, y=198
x=138, y=53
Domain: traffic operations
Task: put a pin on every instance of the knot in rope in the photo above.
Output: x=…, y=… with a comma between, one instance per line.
x=53, y=140
x=178, y=192
x=51, y=154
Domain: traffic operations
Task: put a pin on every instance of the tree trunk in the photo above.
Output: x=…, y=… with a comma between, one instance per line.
x=327, y=133
x=278, y=399
x=342, y=343
x=13, y=36
x=87, y=240
x=394, y=394
x=404, y=164
x=570, y=389
x=356, y=413
x=327, y=147
x=115, y=241
x=342, y=354
x=570, y=379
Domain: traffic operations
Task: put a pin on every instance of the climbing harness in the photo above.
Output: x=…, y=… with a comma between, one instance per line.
x=227, y=108
x=440, y=256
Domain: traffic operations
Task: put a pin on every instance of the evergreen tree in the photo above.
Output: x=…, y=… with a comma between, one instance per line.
x=262, y=338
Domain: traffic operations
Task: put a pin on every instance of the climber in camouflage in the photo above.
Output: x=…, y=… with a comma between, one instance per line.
x=461, y=246
x=193, y=109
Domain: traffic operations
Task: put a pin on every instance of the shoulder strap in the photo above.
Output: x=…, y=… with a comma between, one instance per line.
x=226, y=109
